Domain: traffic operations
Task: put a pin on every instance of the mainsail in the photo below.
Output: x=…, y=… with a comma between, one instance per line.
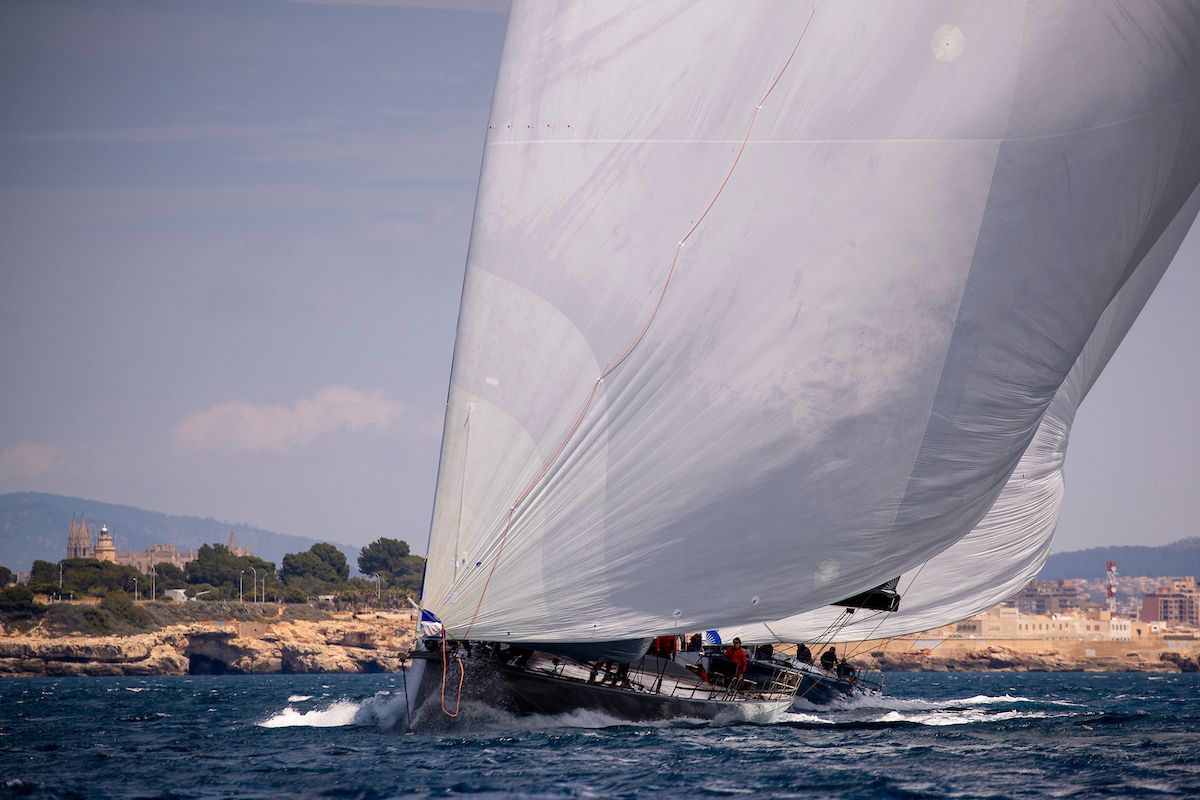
x=765, y=302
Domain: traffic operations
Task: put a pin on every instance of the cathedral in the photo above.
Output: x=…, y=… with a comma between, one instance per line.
x=237, y=551
x=79, y=541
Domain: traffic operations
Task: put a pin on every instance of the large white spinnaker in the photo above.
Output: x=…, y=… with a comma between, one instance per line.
x=900, y=225
x=1009, y=546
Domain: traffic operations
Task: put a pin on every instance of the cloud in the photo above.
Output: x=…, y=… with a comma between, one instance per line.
x=243, y=427
x=27, y=460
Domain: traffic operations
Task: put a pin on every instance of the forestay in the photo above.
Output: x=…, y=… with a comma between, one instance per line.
x=899, y=226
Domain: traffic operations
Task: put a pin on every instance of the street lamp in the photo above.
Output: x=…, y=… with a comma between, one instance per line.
x=153, y=584
x=253, y=583
x=378, y=588
x=263, y=596
x=241, y=574
x=135, y=596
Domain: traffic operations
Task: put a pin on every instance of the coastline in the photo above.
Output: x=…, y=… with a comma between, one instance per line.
x=343, y=643
x=922, y=654
x=376, y=641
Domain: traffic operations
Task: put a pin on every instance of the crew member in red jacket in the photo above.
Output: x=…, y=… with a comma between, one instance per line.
x=737, y=655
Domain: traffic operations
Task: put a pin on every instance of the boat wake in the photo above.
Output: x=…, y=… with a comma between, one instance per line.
x=920, y=704
x=882, y=710
x=383, y=710
x=387, y=710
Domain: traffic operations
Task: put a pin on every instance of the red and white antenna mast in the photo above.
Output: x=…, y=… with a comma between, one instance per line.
x=1112, y=587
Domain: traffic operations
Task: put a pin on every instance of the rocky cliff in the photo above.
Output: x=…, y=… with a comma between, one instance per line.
x=1006, y=659
x=373, y=642
x=377, y=642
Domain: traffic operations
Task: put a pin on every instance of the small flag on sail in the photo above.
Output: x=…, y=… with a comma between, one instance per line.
x=712, y=637
x=429, y=625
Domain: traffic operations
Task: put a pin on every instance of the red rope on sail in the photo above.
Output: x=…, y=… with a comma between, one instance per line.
x=637, y=340
x=462, y=674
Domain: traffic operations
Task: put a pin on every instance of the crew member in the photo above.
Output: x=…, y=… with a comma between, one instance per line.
x=737, y=655
x=803, y=654
x=665, y=647
x=829, y=659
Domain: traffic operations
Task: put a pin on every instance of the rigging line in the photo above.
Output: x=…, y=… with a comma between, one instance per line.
x=613, y=365
x=812, y=683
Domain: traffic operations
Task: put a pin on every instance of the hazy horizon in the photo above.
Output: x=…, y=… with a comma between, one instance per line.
x=233, y=240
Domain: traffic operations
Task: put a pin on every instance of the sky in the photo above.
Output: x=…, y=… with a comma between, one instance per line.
x=232, y=241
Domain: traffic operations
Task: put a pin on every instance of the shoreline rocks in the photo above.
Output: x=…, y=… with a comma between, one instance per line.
x=345, y=644
x=1006, y=659
x=377, y=642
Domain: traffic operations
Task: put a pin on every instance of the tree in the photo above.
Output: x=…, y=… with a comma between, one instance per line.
x=85, y=576
x=383, y=555
x=334, y=557
x=169, y=576
x=17, y=599
x=217, y=566
x=322, y=563
x=44, y=572
x=6, y=577
x=120, y=606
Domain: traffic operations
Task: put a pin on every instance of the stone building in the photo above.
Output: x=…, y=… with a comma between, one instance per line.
x=1047, y=598
x=79, y=545
x=1178, y=603
x=1006, y=622
x=155, y=554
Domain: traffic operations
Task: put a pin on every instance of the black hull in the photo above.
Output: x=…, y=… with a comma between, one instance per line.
x=816, y=687
x=489, y=686
x=819, y=691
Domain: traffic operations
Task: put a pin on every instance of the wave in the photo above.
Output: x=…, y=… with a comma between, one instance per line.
x=869, y=702
x=383, y=709
x=941, y=718
x=799, y=717
x=342, y=712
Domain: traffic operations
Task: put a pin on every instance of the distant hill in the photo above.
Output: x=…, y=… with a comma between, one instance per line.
x=35, y=525
x=1176, y=559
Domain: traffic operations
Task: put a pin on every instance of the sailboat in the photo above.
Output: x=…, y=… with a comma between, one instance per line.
x=767, y=304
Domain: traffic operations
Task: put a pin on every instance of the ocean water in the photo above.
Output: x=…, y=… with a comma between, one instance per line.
x=932, y=735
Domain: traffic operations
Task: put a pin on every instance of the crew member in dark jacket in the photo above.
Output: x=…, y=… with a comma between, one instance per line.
x=829, y=659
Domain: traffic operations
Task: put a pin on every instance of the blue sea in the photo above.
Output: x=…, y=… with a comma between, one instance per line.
x=932, y=735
